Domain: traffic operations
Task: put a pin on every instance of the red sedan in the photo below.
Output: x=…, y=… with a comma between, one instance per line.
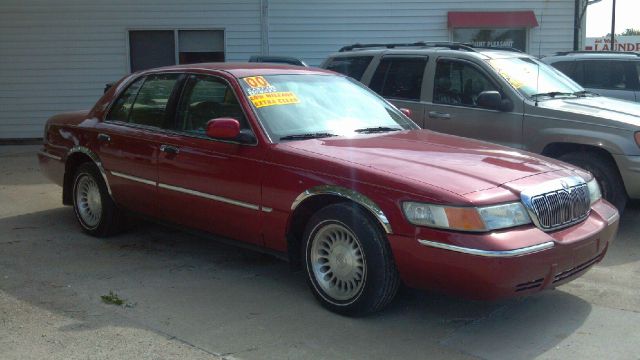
x=314, y=167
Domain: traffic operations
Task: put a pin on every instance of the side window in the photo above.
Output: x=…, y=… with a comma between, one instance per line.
x=206, y=98
x=637, y=74
x=458, y=83
x=150, y=105
x=399, y=78
x=605, y=74
x=122, y=106
x=567, y=67
x=353, y=66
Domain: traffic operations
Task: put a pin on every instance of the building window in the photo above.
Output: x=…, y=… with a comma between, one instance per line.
x=496, y=29
x=154, y=48
x=492, y=38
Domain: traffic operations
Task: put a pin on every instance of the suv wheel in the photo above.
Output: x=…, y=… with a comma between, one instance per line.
x=605, y=172
x=348, y=262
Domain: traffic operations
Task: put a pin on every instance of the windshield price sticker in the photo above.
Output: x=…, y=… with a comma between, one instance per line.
x=258, y=85
x=274, y=98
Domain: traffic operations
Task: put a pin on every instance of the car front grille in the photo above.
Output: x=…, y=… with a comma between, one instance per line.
x=567, y=204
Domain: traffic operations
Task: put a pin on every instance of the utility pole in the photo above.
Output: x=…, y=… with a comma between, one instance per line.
x=613, y=26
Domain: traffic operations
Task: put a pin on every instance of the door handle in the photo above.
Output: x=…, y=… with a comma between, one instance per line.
x=104, y=137
x=169, y=149
x=439, y=115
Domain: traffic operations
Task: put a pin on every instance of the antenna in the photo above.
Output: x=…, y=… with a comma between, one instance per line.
x=539, y=51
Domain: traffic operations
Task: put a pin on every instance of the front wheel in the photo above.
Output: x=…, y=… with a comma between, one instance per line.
x=348, y=261
x=95, y=210
x=605, y=172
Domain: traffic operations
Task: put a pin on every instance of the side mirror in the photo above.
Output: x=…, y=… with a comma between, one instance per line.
x=489, y=100
x=223, y=128
x=405, y=111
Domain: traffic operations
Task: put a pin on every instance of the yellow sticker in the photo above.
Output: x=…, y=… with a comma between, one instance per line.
x=274, y=98
x=256, y=81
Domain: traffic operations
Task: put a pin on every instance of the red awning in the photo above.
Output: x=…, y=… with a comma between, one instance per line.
x=492, y=19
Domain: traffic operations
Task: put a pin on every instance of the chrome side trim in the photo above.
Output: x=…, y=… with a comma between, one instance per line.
x=96, y=160
x=489, y=253
x=614, y=218
x=133, y=178
x=51, y=156
x=266, y=209
x=355, y=196
x=210, y=197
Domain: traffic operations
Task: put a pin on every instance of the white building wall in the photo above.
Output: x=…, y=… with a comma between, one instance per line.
x=313, y=29
x=57, y=56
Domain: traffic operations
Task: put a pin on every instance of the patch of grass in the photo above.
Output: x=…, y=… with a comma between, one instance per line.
x=112, y=299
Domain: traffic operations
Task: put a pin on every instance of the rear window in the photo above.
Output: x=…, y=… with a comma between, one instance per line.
x=353, y=66
x=399, y=78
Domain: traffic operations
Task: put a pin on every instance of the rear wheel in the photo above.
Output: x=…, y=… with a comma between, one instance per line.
x=348, y=262
x=605, y=172
x=95, y=210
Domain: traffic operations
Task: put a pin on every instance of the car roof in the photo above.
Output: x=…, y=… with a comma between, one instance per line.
x=244, y=69
x=594, y=55
x=481, y=53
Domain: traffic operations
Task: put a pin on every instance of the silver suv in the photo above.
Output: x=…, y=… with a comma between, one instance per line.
x=505, y=97
x=613, y=74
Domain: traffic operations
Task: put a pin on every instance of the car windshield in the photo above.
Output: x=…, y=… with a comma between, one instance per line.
x=535, y=79
x=292, y=107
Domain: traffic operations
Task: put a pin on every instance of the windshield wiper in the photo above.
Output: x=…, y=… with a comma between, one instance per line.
x=316, y=135
x=377, y=129
x=584, y=93
x=553, y=94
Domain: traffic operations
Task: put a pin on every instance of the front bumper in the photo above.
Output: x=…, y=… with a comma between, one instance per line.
x=629, y=167
x=504, y=264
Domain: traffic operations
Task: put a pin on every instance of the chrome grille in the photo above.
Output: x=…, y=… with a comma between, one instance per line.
x=560, y=208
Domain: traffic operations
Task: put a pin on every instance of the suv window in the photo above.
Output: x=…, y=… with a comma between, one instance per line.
x=459, y=83
x=122, y=106
x=206, y=98
x=399, y=78
x=353, y=66
x=603, y=74
x=567, y=67
x=150, y=105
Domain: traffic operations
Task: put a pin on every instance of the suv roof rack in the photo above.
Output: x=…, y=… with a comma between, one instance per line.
x=597, y=52
x=450, y=45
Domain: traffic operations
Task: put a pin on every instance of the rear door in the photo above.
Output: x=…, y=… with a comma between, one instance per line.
x=400, y=79
x=130, y=137
x=453, y=108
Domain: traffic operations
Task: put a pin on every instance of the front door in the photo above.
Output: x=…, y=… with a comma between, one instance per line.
x=209, y=184
x=129, y=140
x=454, y=109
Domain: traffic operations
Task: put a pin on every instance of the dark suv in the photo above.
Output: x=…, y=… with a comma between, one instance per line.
x=613, y=74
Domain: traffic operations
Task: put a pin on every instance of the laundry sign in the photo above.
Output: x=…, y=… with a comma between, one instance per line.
x=622, y=43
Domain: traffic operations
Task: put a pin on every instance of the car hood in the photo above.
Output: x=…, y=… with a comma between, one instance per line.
x=456, y=164
x=605, y=110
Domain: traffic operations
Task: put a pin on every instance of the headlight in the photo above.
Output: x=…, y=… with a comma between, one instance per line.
x=484, y=218
x=594, y=190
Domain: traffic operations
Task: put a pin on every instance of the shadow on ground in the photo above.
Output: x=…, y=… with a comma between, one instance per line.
x=228, y=300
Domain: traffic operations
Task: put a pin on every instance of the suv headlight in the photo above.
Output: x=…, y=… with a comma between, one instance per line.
x=479, y=219
x=594, y=190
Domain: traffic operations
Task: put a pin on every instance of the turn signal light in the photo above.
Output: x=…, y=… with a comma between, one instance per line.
x=637, y=136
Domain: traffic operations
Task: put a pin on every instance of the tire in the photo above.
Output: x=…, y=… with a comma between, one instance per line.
x=605, y=171
x=96, y=212
x=348, y=261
